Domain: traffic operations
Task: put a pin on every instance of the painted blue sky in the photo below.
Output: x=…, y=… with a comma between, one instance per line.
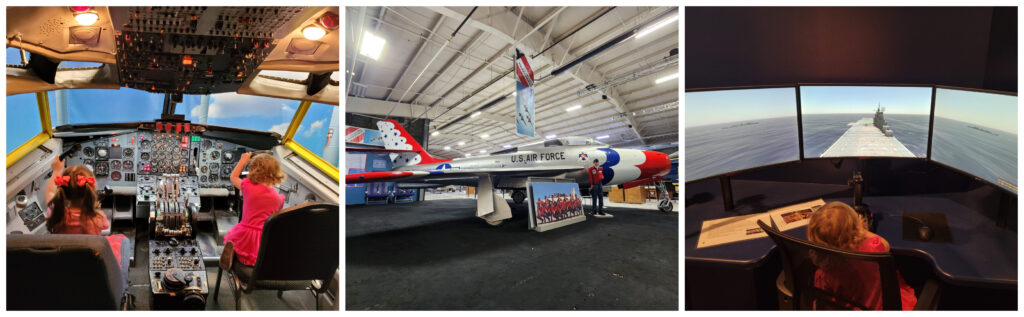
x=131, y=105
x=864, y=99
x=985, y=109
x=721, y=106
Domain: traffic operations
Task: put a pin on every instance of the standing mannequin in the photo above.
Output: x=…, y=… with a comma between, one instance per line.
x=594, y=173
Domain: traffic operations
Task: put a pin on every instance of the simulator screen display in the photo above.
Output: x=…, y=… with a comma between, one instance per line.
x=859, y=121
x=976, y=132
x=732, y=130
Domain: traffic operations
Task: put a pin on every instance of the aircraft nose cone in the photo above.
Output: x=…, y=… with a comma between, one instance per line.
x=655, y=164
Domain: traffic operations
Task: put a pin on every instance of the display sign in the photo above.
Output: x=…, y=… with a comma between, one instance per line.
x=554, y=204
x=524, y=95
x=363, y=136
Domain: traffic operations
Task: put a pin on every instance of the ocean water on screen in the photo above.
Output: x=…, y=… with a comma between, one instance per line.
x=726, y=147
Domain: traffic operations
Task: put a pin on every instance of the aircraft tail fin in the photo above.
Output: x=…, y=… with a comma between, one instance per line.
x=396, y=138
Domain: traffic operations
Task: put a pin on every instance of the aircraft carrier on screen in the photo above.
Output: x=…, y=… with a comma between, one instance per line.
x=868, y=137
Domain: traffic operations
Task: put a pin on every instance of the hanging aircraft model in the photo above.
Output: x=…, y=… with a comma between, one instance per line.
x=566, y=157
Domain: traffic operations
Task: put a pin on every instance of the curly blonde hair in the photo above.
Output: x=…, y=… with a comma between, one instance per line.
x=265, y=170
x=837, y=225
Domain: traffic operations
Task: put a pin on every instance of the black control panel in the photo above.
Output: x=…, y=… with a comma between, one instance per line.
x=32, y=216
x=195, y=50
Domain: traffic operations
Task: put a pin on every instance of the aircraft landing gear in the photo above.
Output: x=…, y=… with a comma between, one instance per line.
x=518, y=196
x=665, y=205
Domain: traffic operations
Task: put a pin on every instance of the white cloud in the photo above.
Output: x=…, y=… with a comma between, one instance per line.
x=229, y=105
x=280, y=128
x=314, y=127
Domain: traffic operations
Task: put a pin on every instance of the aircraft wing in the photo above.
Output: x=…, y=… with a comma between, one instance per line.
x=443, y=175
x=379, y=150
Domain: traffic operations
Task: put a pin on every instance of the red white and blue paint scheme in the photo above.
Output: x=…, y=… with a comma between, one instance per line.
x=566, y=157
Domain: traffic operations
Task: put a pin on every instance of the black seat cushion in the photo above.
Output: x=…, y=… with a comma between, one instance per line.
x=62, y=272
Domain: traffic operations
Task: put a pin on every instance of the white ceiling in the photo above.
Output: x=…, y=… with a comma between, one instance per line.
x=480, y=53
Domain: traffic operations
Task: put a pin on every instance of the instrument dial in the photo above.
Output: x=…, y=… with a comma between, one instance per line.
x=115, y=165
x=144, y=156
x=202, y=179
x=88, y=151
x=115, y=176
x=215, y=155
x=226, y=171
x=207, y=144
x=203, y=170
x=102, y=153
x=89, y=164
x=102, y=169
x=128, y=152
x=229, y=156
x=127, y=165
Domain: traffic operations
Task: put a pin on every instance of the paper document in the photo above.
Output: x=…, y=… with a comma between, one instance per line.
x=732, y=229
x=795, y=216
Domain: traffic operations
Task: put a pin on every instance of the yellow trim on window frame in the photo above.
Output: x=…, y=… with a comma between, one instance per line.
x=26, y=148
x=312, y=158
x=296, y=121
x=44, y=112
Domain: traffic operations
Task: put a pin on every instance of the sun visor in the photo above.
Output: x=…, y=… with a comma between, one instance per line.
x=23, y=80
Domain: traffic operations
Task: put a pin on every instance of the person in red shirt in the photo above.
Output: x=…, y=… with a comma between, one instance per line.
x=837, y=225
x=596, y=176
x=74, y=208
x=259, y=200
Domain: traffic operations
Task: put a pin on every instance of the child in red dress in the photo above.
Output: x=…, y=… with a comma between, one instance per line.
x=74, y=208
x=259, y=201
x=839, y=226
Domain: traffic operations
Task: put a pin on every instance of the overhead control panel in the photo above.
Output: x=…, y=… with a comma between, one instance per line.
x=199, y=50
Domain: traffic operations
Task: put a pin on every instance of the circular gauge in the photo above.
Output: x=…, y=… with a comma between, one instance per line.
x=213, y=178
x=128, y=152
x=88, y=151
x=207, y=144
x=102, y=169
x=101, y=152
x=228, y=156
x=88, y=163
x=115, y=165
x=214, y=167
x=226, y=170
x=144, y=156
x=215, y=155
x=202, y=179
x=127, y=165
x=115, y=176
x=203, y=169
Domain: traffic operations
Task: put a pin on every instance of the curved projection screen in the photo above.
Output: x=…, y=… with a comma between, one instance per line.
x=976, y=132
x=733, y=130
x=863, y=121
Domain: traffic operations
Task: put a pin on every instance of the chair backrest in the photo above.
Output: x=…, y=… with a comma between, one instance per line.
x=800, y=263
x=299, y=243
x=62, y=272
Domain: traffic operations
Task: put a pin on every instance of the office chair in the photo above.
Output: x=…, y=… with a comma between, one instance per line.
x=796, y=282
x=298, y=250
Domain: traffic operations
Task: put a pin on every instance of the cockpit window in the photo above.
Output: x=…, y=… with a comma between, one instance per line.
x=88, y=106
x=22, y=120
x=319, y=133
x=239, y=111
x=554, y=142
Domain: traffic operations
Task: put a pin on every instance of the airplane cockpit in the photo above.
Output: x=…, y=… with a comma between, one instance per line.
x=169, y=109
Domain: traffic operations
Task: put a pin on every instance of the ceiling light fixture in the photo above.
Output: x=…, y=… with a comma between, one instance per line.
x=446, y=148
x=485, y=135
x=468, y=155
x=602, y=137
x=507, y=146
x=573, y=108
x=550, y=136
x=666, y=78
x=313, y=32
x=461, y=143
x=657, y=26
x=483, y=151
x=475, y=114
x=435, y=133
x=84, y=15
x=372, y=45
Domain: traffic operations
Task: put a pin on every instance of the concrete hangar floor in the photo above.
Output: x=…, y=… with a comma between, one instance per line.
x=436, y=255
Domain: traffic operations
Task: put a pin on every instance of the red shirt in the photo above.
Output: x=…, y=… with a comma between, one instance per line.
x=595, y=175
x=859, y=280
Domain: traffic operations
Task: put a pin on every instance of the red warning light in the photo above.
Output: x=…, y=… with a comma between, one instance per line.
x=80, y=8
x=186, y=60
x=329, y=20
